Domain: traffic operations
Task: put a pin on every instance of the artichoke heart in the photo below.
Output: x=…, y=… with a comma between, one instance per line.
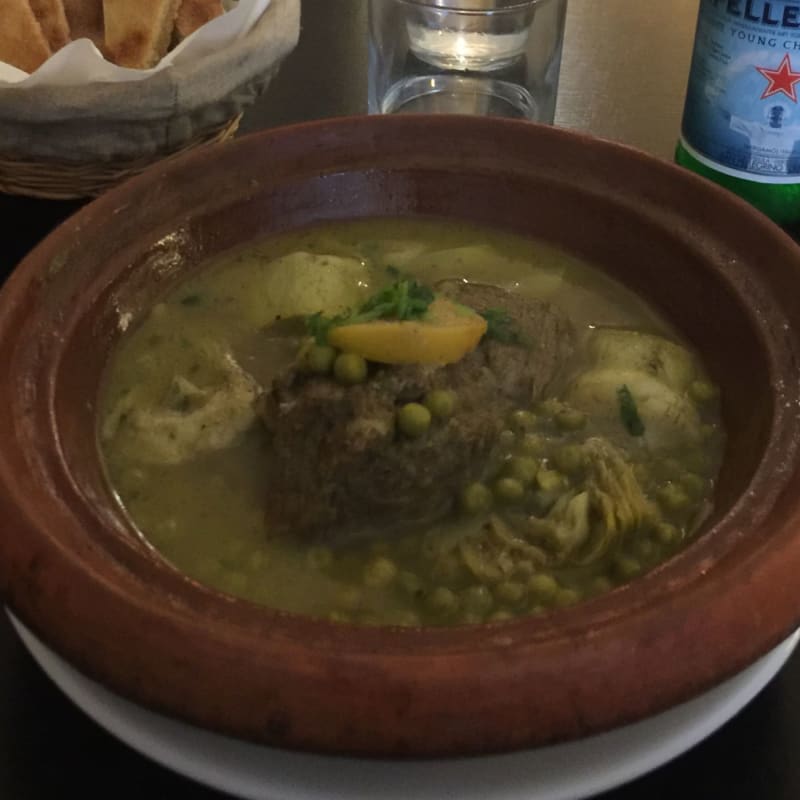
x=582, y=526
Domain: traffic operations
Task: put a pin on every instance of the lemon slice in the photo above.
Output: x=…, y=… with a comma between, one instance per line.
x=446, y=333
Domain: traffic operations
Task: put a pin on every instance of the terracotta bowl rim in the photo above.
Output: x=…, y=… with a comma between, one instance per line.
x=150, y=602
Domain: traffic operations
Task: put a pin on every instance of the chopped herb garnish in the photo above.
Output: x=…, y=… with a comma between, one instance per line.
x=500, y=325
x=404, y=299
x=629, y=413
x=319, y=325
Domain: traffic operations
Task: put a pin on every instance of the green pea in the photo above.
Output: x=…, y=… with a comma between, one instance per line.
x=319, y=359
x=533, y=445
x=509, y=490
x=569, y=459
x=350, y=369
x=511, y=592
x=523, y=468
x=666, y=533
x=523, y=569
x=626, y=567
x=413, y=419
x=319, y=557
x=673, y=498
x=702, y=391
x=440, y=402
x=477, y=600
x=549, y=480
x=476, y=498
x=566, y=597
x=694, y=484
x=570, y=419
x=543, y=587
x=443, y=601
x=379, y=572
x=522, y=420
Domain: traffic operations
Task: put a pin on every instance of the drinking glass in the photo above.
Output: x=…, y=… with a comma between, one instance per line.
x=492, y=57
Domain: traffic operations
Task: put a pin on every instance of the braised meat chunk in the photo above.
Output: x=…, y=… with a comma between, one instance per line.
x=347, y=458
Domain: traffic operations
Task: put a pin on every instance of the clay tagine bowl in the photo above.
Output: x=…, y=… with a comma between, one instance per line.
x=73, y=569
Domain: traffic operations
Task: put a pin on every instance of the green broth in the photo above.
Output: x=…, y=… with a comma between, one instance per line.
x=205, y=515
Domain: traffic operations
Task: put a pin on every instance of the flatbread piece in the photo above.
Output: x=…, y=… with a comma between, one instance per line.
x=138, y=34
x=22, y=42
x=52, y=19
x=193, y=14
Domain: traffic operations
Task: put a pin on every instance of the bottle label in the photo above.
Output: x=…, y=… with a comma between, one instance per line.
x=742, y=115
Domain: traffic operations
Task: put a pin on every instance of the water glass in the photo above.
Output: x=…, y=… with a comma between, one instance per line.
x=491, y=57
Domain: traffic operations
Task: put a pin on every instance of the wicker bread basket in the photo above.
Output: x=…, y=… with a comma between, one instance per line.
x=59, y=143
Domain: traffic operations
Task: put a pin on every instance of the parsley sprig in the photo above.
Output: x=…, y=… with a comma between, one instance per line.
x=405, y=299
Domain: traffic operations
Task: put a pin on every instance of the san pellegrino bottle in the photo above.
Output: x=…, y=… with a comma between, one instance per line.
x=741, y=121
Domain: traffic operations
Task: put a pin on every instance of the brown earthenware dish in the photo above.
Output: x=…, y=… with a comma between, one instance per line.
x=74, y=570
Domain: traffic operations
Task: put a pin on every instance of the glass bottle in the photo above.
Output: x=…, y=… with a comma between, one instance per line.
x=741, y=121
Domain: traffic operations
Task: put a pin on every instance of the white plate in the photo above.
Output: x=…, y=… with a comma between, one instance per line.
x=562, y=772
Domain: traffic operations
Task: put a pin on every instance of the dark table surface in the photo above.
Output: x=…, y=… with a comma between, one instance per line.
x=623, y=77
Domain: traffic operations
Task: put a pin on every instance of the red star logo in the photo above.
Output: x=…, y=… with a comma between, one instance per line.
x=781, y=80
